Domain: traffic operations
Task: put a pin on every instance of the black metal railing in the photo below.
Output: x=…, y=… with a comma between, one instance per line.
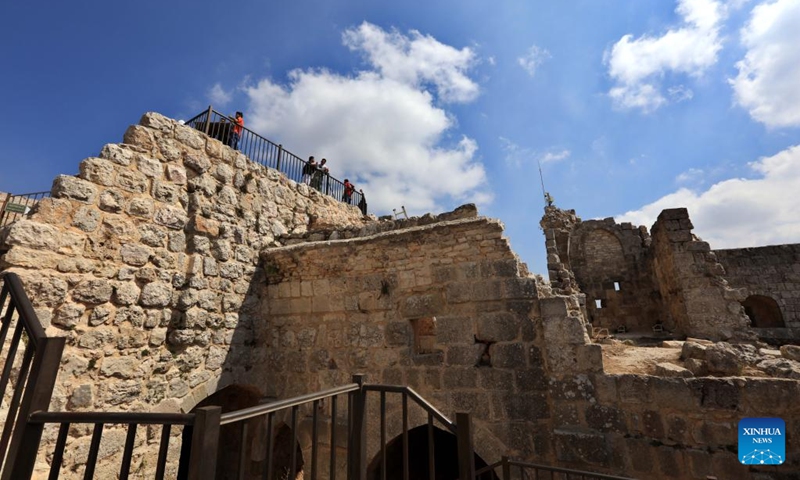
x=33, y=373
x=16, y=206
x=270, y=154
x=516, y=469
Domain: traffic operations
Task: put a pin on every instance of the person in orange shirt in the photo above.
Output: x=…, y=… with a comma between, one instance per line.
x=238, y=124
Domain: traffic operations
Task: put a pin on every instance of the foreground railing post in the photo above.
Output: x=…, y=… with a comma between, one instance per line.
x=466, y=460
x=357, y=448
x=205, y=444
x=278, y=161
x=41, y=381
x=208, y=119
x=506, y=468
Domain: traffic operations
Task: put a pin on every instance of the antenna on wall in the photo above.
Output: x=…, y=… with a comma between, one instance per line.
x=548, y=199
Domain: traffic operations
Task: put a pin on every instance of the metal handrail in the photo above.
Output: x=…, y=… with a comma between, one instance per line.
x=427, y=406
x=259, y=410
x=269, y=154
x=141, y=418
x=507, y=463
x=24, y=200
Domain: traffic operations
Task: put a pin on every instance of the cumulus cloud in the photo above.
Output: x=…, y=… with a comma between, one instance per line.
x=534, y=57
x=638, y=65
x=518, y=156
x=416, y=60
x=769, y=73
x=218, y=96
x=381, y=127
x=693, y=175
x=740, y=212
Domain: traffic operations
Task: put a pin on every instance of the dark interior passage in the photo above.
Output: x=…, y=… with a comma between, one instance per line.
x=445, y=457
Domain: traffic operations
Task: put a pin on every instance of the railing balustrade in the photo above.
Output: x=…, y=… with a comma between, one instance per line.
x=524, y=470
x=16, y=206
x=269, y=154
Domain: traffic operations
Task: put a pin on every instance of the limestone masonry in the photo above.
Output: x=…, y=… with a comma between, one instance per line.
x=176, y=268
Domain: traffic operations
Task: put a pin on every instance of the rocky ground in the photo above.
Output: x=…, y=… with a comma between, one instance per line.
x=696, y=357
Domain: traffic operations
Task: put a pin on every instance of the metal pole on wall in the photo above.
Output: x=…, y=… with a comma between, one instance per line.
x=357, y=463
x=466, y=459
x=208, y=119
x=280, y=154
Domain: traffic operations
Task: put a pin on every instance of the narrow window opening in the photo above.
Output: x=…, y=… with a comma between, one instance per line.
x=616, y=286
x=598, y=303
x=424, y=334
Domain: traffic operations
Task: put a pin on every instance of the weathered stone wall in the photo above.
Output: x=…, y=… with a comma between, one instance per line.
x=503, y=347
x=654, y=427
x=636, y=281
x=772, y=271
x=700, y=302
x=146, y=262
x=341, y=307
x=611, y=265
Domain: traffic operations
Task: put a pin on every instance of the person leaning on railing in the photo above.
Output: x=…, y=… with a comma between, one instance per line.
x=309, y=169
x=238, y=124
x=349, y=188
x=319, y=175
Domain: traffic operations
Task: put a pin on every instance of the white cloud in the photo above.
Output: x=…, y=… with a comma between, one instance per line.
x=769, y=73
x=680, y=93
x=692, y=175
x=637, y=66
x=518, y=156
x=380, y=127
x=533, y=59
x=416, y=60
x=218, y=96
x=740, y=212
x=552, y=157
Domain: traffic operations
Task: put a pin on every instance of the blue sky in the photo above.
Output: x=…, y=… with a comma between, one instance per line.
x=630, y=106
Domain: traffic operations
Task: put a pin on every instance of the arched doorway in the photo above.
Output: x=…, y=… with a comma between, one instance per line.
x=237, y=397
x=763, y=311
x=445, y=449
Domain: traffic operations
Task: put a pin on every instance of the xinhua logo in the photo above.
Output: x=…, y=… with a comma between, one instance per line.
x=762, y=441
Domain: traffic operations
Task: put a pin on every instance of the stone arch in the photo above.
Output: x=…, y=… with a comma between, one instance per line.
x=763, y=311
x=486, y=445
x=230, y=398
x=445, y=456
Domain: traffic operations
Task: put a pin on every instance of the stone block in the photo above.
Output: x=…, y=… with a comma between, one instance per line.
x=459, y=378
x=464, y=354
x=562, y=330
x=455, y=329
x=590, y=358
x=581, y=447
x=530, y=379
x=498, y=327
x=606, y=419
x=670, y=370
x=721, y=394
x=67, y=186
x=508, y=355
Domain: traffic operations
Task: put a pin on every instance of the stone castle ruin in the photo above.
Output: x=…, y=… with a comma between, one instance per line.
x=182, y=274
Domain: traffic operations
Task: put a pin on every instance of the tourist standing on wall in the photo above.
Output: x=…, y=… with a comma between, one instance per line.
x=309, y=170
x=319, y=175
x=349, y=188
x=238, y=124
x=362, y=204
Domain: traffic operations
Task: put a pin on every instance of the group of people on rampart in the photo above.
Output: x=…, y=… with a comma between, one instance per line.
x=314, y=174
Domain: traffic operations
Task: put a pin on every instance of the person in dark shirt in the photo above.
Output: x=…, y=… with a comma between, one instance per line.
x=309, y=169
x=362, y=204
